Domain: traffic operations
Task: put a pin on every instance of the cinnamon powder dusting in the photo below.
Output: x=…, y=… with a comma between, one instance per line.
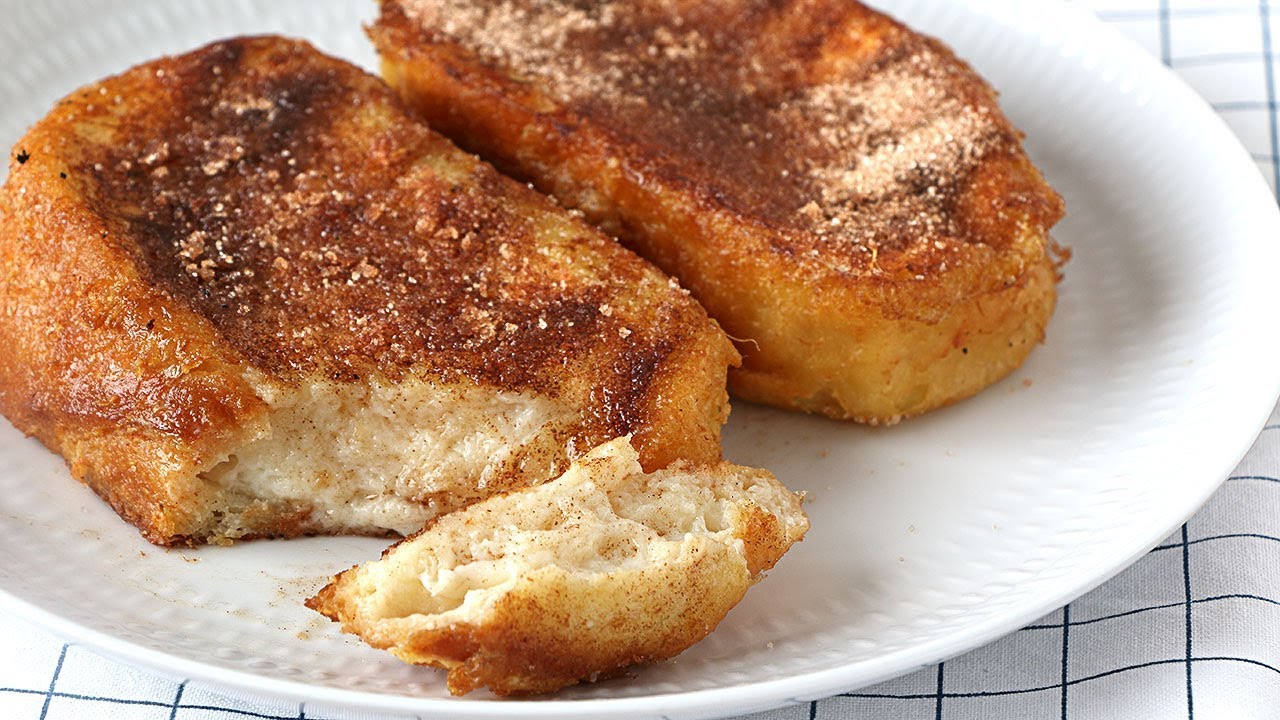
x=825, y=120
x=291, y=201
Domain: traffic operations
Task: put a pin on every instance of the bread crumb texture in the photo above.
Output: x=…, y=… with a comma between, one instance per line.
x=577, y=579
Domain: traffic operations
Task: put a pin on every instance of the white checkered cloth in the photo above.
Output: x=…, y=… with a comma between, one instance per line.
x=1191, y=630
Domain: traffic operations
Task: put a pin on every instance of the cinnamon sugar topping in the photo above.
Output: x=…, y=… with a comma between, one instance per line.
x=297, y=207
x=889, y=154
x=855, y=162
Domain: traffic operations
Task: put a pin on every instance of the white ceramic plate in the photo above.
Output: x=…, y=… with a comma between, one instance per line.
x=928, y=539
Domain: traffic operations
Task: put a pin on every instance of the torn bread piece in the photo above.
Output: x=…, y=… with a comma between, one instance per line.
x=245, y=293
x=577, y=579
x=843, y=194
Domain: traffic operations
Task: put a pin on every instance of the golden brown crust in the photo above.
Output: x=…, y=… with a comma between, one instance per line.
x=266, y=142
x=500, y=595
x=534, y=640
x=784, y=159
x=257, y=209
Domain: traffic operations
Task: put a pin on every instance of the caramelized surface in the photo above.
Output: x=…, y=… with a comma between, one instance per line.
x=186, y=241
x=841, y=193
x=289, y=200
x=847, y=136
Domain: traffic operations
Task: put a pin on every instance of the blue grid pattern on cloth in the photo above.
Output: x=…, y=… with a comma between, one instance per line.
x=1192, y=630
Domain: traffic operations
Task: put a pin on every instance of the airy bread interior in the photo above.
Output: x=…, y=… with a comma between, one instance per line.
x=377, y=457
x=601, y=568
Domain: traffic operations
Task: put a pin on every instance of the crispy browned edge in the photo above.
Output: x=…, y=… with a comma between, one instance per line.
x=534, y=641
x=91, y=339
x=533, y=645
x=874, y=348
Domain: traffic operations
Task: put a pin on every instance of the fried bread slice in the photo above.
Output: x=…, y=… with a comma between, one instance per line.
x=245, y=293
x=841, y=193
x=576, y=579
